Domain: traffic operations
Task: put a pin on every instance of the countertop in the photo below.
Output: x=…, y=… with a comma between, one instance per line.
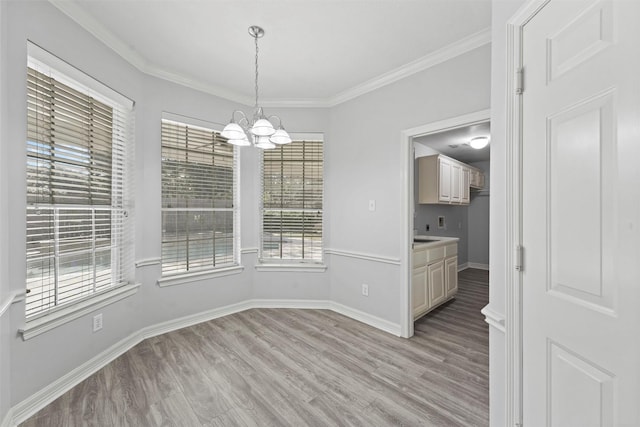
x=432, y=241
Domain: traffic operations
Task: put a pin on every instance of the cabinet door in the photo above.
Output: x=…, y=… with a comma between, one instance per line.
x=451, y=275
x=464, y=182
x=456, y=173
x=435, y=276
x=419, y=291
x=444, y=187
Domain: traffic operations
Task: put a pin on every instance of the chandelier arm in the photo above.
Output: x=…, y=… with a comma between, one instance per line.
x=279, y=120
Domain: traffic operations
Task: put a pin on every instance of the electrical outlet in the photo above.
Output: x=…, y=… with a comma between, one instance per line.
x=365, y=290
x=372, y=205
x=97, y=322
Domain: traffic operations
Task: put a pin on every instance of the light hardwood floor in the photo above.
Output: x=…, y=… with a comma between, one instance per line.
x=287, y=367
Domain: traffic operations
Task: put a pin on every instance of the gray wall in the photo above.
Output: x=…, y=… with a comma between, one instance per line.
x=478, y=213
x=364, y=162
x=5, y=288
x=362, y=158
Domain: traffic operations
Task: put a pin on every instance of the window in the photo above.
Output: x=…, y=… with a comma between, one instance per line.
x=79, y=240
x=199, y=176
x=292, y=200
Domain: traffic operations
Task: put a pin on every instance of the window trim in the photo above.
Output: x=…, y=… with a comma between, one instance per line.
x=69, y=75
x=68, y=312
x=203, y=273
x=300, y=265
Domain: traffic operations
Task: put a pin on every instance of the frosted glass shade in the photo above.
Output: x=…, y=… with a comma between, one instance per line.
x=479, y=142
x=264, y=143
x=233, y=131
x=280, y=137
x=262, y=127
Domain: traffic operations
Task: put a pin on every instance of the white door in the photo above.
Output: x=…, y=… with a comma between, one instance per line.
x=581, y=215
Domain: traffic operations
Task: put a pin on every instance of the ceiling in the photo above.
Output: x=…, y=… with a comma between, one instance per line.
x=315, y=52
x=454, y=143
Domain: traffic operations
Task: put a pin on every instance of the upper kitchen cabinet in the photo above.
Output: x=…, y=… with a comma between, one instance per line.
x=443, y=180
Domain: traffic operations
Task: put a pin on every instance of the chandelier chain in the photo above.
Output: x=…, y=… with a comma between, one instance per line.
x=256, y=39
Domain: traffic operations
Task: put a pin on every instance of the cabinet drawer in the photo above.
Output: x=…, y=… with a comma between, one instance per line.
x=450, y=250
x=419, y=258
x=435, y=254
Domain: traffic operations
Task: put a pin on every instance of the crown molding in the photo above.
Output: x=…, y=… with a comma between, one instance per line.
x=444, y=54
x=93, y=26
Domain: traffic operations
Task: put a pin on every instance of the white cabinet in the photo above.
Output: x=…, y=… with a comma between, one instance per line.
x=419, y=290
x=464, y=186
x=451, y=274
x=434, y=277
x=456, y=185
x=443, y=180
x=476, y=179
x=435, y=273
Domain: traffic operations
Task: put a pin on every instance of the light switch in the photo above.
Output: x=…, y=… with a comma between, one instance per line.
x=372, y=205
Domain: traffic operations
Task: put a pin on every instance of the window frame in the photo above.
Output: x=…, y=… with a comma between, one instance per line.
x=197, y=274
x=122, y=128
x=292, y=264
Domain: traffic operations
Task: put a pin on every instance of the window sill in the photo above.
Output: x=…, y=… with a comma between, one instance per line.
x=306, y=268
x=64, y=315
x=181, y=279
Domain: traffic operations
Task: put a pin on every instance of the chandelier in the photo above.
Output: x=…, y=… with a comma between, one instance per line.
x=259, y=131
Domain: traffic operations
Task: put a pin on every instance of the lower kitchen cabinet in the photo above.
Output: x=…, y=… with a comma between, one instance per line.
x=437, y=293
x=451, y=270
x=434, y=278
x=419, y=291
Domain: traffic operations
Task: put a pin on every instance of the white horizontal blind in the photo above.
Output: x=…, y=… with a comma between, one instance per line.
x=199, y=175
x=292, y=200
x=79, y=237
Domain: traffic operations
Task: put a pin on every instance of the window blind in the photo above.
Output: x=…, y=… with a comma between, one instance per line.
x=292, y=202
x=79, y=238
x=199, y=175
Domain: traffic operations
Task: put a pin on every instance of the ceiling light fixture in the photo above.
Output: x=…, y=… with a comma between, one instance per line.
x=479, y=142
x=259, y=129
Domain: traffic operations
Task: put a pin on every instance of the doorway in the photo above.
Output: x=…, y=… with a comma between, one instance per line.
x=409, y=223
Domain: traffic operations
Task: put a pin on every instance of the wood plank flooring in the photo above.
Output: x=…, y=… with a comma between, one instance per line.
x=287, y=367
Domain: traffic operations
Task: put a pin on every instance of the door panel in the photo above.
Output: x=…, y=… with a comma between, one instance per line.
x=580, y=214
x=435, y=273
x=419, y=291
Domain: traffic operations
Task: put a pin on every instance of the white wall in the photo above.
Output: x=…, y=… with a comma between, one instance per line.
x=364, y=162
x=501, y=11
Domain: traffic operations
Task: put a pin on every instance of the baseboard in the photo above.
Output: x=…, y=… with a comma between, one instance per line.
x=361, y=316
x=303, y=304
x=8, y=419
x=463, y=266
x=28, y=407
x=193, y=319
x=34, y=403
x=478, y=266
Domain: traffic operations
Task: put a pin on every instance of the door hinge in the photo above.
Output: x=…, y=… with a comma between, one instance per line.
x=520, y=81
x=518, y=257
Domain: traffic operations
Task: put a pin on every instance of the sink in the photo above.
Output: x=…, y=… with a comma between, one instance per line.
x=424, y=241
